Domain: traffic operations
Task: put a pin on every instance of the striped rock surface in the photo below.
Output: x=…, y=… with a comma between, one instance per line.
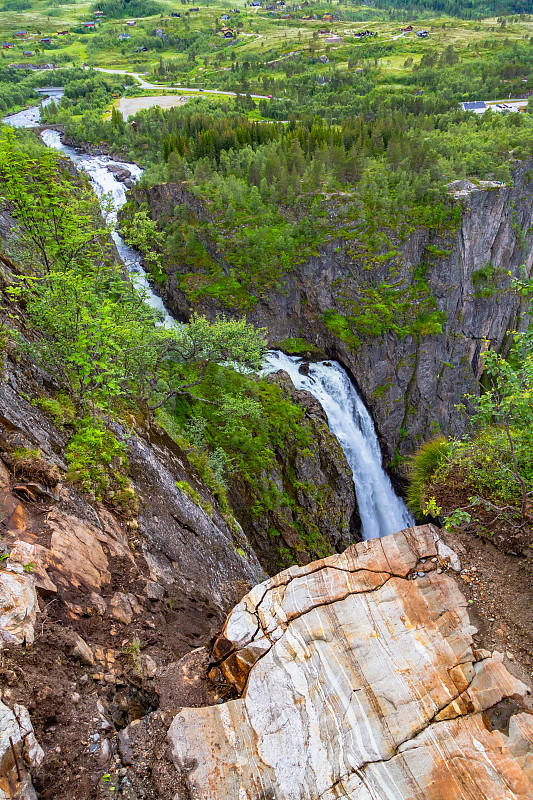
x=358, y=681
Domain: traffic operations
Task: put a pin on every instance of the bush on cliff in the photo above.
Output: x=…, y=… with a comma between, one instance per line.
x=424, y=464
x=93, y=331
x=485, y=481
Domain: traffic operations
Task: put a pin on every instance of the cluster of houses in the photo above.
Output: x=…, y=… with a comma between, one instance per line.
x=364, y=34
x=420, y=34
x=28, y=53
x=325, y=17
x=123, y=37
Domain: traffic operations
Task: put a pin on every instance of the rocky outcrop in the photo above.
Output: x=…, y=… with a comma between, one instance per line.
x=122, y=174
x=93, y=602
x=19, y=751
x=360, y=678
x=413, y=383
x=182, y=545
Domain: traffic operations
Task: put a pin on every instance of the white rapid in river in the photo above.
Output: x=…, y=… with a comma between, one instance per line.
x=381, y=510
x=105, y=184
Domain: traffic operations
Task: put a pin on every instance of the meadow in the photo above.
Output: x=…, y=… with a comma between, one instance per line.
x=191, y=51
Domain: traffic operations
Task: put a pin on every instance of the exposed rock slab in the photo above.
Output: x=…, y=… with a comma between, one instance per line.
x=359, y=680
x=19, y=750
x=18, y=606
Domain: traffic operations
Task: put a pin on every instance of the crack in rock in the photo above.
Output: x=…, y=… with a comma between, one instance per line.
x=357, y=682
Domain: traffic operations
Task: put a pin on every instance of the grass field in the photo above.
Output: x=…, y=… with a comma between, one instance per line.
x=258, y=36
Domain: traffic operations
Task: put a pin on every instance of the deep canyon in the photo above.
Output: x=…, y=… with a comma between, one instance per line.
x=162, y=654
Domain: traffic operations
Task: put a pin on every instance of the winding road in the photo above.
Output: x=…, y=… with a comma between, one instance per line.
x=145, y=85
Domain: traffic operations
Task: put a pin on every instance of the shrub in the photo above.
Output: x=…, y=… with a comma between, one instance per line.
x=424, y=464
x=61, y=409
x=30, y=465
x=98, y=464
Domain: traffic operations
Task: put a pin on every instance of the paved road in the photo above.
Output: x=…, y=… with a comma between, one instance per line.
x=145, y=85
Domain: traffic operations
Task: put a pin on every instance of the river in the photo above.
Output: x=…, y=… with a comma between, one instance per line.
x=30, y=117
x=382, y=512
x=107, y=186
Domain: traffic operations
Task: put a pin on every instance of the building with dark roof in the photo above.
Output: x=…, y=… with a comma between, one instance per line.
x=479, y=106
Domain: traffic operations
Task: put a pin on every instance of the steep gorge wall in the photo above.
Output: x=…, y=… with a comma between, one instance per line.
x=413, y=383
x=98, y=602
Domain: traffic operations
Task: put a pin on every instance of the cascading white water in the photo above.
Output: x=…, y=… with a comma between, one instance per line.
x=381, y=510
x=106, y=185
x=30, y=117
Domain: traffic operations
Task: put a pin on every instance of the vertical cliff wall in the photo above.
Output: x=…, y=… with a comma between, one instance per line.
x=460, y=270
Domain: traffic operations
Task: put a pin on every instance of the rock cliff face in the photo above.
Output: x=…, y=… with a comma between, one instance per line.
x=319, y=514
x=411, y=384
x=360, y=679
x=93, y=603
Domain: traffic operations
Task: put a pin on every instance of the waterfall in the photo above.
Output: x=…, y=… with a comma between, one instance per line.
x=381, y=510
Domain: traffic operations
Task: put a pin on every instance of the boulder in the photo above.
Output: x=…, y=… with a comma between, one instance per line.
x=359, y=680
x=18, y=605
x=124, y=607
x=82, y=651
x=120, y=171
x=76, y=553
x=19, y=750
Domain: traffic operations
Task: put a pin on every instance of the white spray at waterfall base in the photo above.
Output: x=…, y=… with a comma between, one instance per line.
x=381, y=510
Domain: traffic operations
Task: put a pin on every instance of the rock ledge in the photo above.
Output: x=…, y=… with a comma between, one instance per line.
x=359, y=679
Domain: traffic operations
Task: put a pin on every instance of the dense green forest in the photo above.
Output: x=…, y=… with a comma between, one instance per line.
x=86, y=323
x=274, y=192
x=468, y=9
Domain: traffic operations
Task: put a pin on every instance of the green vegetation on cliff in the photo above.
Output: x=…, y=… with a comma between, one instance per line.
x=90, y=327
x=484, y=481
x=115, y=366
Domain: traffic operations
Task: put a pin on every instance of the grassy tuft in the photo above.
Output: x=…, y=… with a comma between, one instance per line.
x=424, y=464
